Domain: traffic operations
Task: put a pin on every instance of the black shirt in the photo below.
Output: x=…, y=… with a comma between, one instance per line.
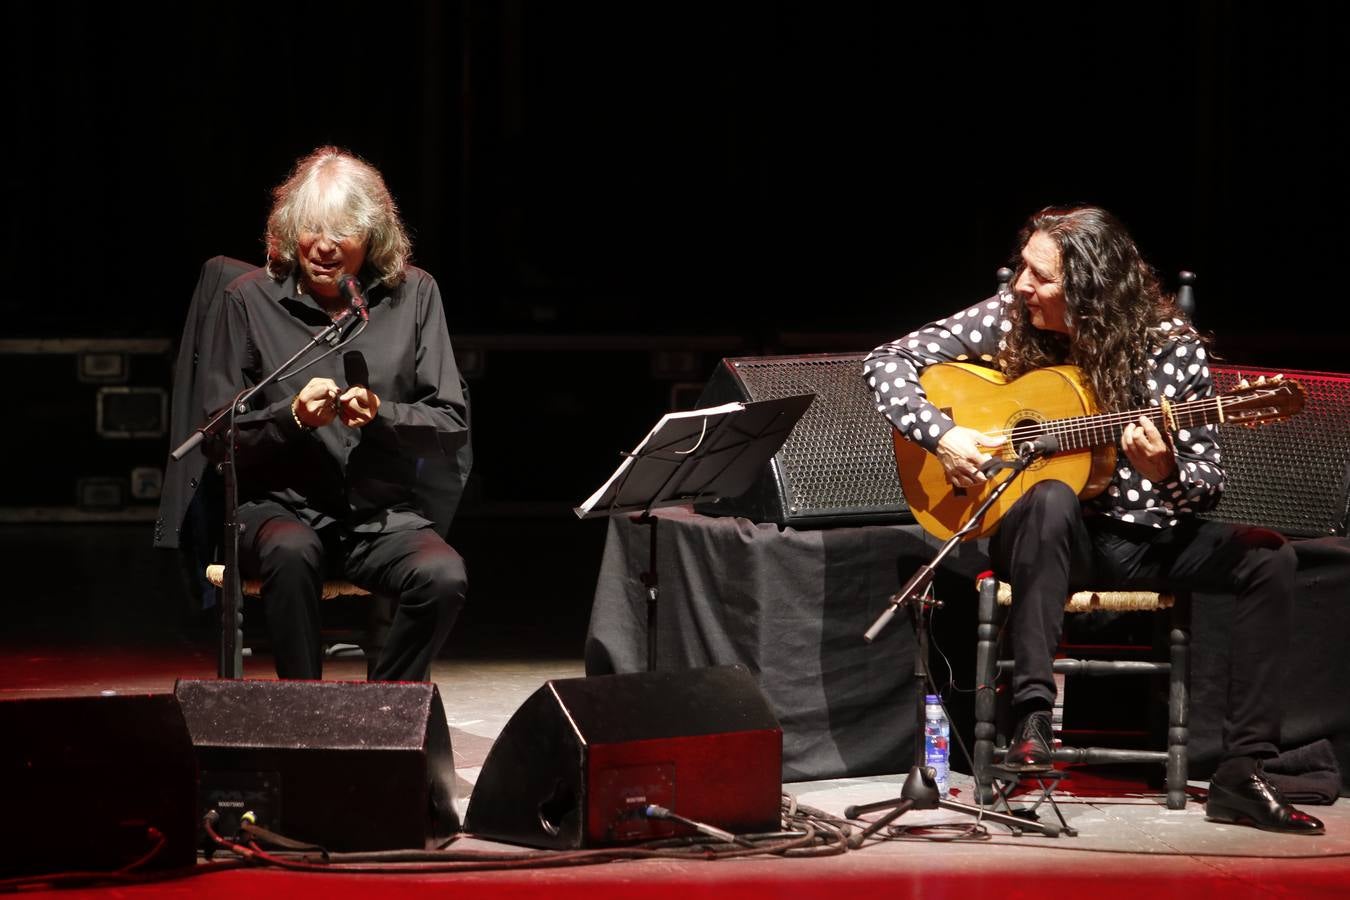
x=363, y=478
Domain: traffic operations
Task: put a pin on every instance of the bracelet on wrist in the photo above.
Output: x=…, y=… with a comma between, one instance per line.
x=296, y=416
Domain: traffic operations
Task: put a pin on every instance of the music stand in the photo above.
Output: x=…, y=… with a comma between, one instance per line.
x=694, y=455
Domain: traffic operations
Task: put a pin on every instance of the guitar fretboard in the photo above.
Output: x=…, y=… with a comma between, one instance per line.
x=1102, y=429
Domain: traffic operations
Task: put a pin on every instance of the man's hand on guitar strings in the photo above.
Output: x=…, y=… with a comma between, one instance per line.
x=1148, y=450
x=961, y=457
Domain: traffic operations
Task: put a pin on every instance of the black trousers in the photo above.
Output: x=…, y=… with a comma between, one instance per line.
x=1046, y=549
x=417, y=567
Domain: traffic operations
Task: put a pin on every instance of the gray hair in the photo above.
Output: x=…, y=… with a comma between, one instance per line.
x=333, y=191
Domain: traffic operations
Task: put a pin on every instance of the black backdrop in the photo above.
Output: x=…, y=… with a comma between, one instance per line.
x=731, y=167
x=740, y=177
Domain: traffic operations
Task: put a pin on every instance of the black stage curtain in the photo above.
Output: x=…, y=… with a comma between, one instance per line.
x=792, y=606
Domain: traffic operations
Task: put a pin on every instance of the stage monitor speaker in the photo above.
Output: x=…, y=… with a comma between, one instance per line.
x=579, y=762
x=85, y=779
x=837, y=466
x=347, y=765
x=1291, y=476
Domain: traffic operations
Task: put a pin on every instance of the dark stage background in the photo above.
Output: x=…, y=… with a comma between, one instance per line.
x=614, y=196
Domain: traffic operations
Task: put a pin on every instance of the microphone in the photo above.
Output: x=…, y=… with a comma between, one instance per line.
x=1039, y=447
x=354, y=366
x=350, y=289
x=1042, y=445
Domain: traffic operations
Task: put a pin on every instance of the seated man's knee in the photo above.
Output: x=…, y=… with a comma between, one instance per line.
x=1053, y=494
x=446, y=580
x=295, y=546
x=1047, y=503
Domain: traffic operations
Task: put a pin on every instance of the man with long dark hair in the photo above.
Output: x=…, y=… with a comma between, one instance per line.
x=1083, y=296
x=328, y=470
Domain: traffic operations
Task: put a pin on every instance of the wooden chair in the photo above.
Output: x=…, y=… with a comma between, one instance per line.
x=994, y=593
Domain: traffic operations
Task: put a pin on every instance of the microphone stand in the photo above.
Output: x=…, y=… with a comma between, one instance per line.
x=221, y=428
x=920, y=790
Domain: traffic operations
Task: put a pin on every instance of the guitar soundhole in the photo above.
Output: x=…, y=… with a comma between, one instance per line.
x=1027, y=429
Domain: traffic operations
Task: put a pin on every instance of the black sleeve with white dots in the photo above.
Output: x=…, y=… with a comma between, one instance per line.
x=1177, y=371
x=892, y=370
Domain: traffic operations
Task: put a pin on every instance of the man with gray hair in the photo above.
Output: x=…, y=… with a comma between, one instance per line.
x=327, y=456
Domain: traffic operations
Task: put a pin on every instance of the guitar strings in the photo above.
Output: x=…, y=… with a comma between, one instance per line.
x=1107, y=420
x=1080, y=424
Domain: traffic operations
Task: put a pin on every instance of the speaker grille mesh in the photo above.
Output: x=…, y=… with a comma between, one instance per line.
x=838, y=458
x=1289, y=476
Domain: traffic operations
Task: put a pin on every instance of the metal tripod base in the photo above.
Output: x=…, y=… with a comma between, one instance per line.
x=920, y=792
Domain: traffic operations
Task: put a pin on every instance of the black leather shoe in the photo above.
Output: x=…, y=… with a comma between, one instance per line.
x=1256, y=802
x=1029, y=750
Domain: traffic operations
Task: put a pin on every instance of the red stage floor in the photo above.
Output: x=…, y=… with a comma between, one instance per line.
x=1128, y=845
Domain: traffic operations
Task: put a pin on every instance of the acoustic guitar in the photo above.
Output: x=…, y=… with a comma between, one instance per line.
x=1053, y=401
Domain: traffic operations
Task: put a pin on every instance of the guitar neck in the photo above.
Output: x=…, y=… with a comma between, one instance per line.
x=1102, y=429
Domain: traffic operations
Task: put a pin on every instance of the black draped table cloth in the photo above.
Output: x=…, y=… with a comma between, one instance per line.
x=792, y=605
x=1315, y=686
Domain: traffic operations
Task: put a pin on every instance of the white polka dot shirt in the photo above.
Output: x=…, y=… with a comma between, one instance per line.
x=1177, y=370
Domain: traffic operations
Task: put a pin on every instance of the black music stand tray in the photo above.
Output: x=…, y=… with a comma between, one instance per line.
x=695, y=455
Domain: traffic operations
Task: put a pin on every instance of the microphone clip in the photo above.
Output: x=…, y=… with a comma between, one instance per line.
x=350, y=289
x=1042, y=447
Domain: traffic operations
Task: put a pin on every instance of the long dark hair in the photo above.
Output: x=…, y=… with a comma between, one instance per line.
x=1112, y=298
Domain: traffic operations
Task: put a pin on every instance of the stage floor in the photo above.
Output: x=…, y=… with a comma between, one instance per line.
x=1128, y=843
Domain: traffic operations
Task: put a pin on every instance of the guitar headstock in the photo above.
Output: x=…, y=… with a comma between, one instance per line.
x=1261, y=401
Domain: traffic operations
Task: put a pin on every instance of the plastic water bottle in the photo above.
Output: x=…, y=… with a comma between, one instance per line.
x=936, y=734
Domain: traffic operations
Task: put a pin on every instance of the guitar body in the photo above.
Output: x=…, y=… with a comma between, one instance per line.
x=981, y=398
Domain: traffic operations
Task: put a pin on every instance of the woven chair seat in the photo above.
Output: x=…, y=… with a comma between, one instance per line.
x=252, y=587
x=1088, y=601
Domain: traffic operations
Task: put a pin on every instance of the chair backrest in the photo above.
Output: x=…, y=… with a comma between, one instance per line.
x=183, y=478
x=441, y=480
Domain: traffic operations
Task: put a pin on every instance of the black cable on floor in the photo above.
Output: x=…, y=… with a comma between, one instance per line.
x=806, y=832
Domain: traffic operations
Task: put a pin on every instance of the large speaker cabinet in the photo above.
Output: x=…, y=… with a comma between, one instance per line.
x=837, y=467
x=1291, y=476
